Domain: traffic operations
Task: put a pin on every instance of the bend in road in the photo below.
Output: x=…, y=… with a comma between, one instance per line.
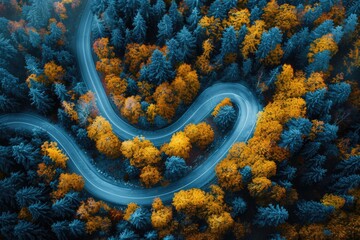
x=80, y=163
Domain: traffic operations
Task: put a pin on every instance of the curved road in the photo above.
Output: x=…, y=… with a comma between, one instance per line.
x=80, y=162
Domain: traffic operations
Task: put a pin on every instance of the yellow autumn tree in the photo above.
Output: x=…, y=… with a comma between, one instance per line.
x=102, y=48
x=141, y=152
x=54, y=72
x=186, y=83
x=131, y=109
x=166, y=100
x=190, y=201
x=68, y=182
x=179, y=146
x=201, y=134
x=220, y=223
x=115, y=85
x=323, y=43
x=224, y=102
x=109, y=66
x=237, y=18
x=69, y=109
x=252, y=38
x=161, y=215
x=150, y=176
x=54, y=153
x=203, y=61
x=228, y=175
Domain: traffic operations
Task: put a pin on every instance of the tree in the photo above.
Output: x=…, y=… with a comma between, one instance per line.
x=140, y=28
x=159, y=70
x=292, y=140
x=187, y=44
x=175, y=168
x=186, y=83
x=269, y=41
x=39, y=13
x=220, y=223
x=40, y=99
x=24, y=154
x=140, y=218
x=238, y=206
x=100, y=126
x=29, y=195
x=7, y=222
x=54, y=153
x=339, y=92
x=228, y=175
x=229, y=42
x=252, y=38
x=28, y=231
x=61, y=92
x=313, y=175
x=53, y=72
x=60, y=229
x=109, y=144
x=150, y=176
x=63, y=207
x=98, y=28
x=350, y=23
x=167, y=100
x=165, y=29
x=161, y=215
x=40, y=211
x=218, y=9
x=201, y=134
x=190, y=201
x=131, y=109
x=313, y=212
x=271, y=215
x=179, y=146
x=77, y=228
x=326, y=42
x=226, y=117
x=68, y=182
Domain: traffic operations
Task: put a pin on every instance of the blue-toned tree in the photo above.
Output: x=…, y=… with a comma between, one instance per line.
x=271, y=216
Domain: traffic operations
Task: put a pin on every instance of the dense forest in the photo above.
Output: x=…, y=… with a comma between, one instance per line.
x=296, y=177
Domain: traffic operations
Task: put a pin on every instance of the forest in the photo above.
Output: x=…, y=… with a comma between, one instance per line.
x=180, y=119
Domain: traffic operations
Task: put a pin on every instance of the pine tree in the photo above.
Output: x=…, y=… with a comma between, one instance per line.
x=226, y=117
x=77, y=228
x=60, y=229
x=34, y=39
x=292, y=140
x=140, y=219
x=39, y=13
x=139, y=30
x=229, y=42
x=7, y=51
x=62, y=207
x=187, y=44
x=159, y=70
x=238, y=206
x=269, y=41
x=98, y=28
x=24, y=154
x=175, y=168
x=339, y=92
x=40, y=99
x=193, y=19
x=165, y=31
x=61, y=92
x=8, y=221
x=218, y=9
x=29, y=195
x=117, y=39
x=271, y=216
x=40, y=211
x=313, y=212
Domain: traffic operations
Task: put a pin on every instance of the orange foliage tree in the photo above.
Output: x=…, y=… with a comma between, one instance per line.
x=54, y=72
x=186, y=83
x=107, y=142
x=166, y=100
x=131, y=109
x=115, y=85
x=252, y=38
x=54, y=153
x=201, y=134
x=68, y=182
x=161, y=215
x=141, y=152
x=179, y=146
x=150, y=176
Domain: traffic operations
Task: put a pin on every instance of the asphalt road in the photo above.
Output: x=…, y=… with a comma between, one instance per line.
x=80, y=162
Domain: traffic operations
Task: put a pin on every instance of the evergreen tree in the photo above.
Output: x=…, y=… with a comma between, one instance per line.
x=229, y=42
x=40, y=99
x=320, y=63
x=271, y=216
x=28, y=231
x=346, y=183
x=350, y=23
x=187, y=45
x=165, y=29
x=24, y=154
x=193, y=19
x=7, y=51
x=226, y=117
x=140, y=28
x=159, y=70
x=60, y=229
x=29, y=195
x=62, y=208
x=269, y=41
x=151, y=235
x=8, y=221
x=158, y=10
x=117, y=39
x=34, y=38
x=339, y=92
x=175, y=168
x=140, y=219
x=238, y=206
x=291, y=139
x=39, y=13
x=40, y=211
x=218, y=9
x=313, y=175
x=77, y=228
x=98, y=28
x=313, y=212
x=61, y=92
x=32, y=65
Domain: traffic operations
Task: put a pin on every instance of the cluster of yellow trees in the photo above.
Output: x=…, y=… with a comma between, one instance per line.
x=261, y=152
x=163, y=99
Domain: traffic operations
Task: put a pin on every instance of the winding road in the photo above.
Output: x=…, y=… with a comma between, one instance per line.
x=80, y=162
